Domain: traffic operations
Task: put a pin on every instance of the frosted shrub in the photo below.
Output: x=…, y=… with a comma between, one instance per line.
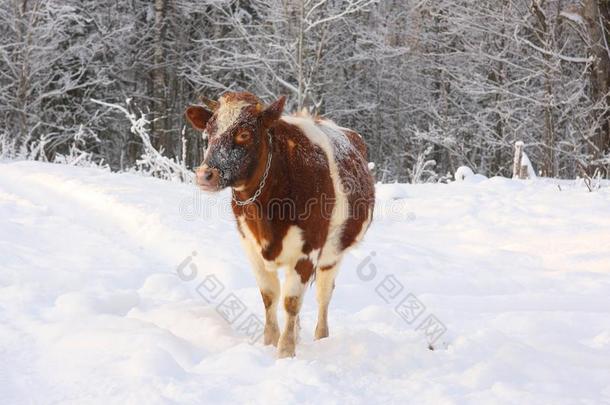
x=151, y=162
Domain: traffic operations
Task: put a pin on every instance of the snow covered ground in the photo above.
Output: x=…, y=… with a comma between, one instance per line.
x=101, y=297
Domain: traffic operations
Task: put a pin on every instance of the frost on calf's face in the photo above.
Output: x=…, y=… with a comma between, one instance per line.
x=237, y=138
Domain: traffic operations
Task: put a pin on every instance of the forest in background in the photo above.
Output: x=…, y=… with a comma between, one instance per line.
x=431, y=85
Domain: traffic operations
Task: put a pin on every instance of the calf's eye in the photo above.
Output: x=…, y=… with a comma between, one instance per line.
x=243, y=136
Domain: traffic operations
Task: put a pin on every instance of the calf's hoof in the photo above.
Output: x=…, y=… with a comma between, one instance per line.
x=286, y=347
x=272, y=335
x=321, y=332
x=283, y=353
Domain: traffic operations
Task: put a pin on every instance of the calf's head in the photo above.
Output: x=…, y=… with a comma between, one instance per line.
x=236, y=126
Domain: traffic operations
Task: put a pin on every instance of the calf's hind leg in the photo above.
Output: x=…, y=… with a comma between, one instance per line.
x=325, y=284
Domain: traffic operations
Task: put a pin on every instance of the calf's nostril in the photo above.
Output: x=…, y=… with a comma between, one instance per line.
x=207, y=176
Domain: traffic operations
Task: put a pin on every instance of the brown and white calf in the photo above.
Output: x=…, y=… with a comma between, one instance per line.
x=302, y=195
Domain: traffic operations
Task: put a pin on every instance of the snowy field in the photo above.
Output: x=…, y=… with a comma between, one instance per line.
x=102, y=301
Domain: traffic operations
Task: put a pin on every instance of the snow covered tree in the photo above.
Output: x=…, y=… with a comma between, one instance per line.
x=454, y=82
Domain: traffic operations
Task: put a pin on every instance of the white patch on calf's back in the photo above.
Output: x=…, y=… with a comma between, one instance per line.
x=331, y=249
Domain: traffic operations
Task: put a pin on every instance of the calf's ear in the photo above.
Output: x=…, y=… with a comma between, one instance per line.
x=198, y=116
x=274, y=110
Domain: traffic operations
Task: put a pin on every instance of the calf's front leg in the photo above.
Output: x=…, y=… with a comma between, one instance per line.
x=269, y=286
x=293, y=290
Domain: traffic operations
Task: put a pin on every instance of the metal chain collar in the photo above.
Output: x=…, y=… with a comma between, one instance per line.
x=261, y=185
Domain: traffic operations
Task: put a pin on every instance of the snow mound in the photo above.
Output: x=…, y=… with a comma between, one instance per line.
x=465, y=173
x=462, y=173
